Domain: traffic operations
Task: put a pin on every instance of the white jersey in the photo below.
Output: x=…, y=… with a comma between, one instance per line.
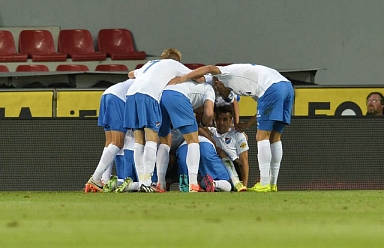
x=119, y=89
x=195, y=92
x=219, y=101
x=232, y=142
x=248, y=79
x=155, y=75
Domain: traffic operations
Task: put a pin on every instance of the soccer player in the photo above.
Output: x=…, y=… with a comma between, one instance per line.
x=274, y=95
x=177, y=105
x=143, y=113
x=233, y=143
x=111, y=119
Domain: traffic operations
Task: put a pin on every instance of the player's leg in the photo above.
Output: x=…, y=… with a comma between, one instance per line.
x=138, y=151
x=275, y=138
x=277, y=155
x=182, y=116
x=162, y=160
x=215, y=175
x=149, y=118
x=165, y=138
x=234, y=177
x=182, y=168
x=193, y=157
x=106, y=160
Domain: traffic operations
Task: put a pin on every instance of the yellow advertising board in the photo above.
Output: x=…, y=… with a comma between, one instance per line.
x=78, y=103
x=247, y=106
x=26, y=104
x=331, y=101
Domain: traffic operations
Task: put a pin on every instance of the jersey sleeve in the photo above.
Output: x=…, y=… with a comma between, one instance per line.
x=241, y=142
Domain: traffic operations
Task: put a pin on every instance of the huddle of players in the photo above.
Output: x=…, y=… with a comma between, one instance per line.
x=206, y=155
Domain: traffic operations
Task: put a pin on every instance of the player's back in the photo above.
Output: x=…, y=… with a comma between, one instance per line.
x=197, y=93
x=155, y=75
x=119, y=89
x=249, y=79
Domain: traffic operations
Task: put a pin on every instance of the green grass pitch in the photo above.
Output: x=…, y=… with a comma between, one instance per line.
x=248, y=219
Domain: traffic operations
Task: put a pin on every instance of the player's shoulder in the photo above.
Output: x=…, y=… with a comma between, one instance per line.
x=236, y=133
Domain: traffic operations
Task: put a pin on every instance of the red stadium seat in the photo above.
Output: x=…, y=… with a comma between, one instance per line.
x=26, y=68
x=194, y=66
x=4, y=68
x=111, y=67
x=39, y=46
x=78, y=44
x=138, y=66
x=72, y=67
x=8, y=51
x=118, y=44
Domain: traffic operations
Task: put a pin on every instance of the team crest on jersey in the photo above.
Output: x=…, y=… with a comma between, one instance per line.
x=227, y=140
x=243, y=145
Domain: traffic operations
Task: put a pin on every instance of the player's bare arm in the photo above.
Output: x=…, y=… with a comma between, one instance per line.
x=245, y=125
x=195, y=74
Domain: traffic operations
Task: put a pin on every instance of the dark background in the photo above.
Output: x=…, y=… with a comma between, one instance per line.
x=55, y=154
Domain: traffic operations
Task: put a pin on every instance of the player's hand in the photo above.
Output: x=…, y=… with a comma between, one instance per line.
x=241, y=126
x=175, y=80
x=218, y=86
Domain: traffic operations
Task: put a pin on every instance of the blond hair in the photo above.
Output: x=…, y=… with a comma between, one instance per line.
x=171, y=53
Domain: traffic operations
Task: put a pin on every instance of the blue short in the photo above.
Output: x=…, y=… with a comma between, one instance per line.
x=177, y=112
x=142, y=111
x=210, y=162
x=274, y=108
x=125, y=166
x=111, y=113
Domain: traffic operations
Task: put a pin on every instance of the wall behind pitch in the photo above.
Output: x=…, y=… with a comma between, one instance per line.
x=52, y=154
x=342, y=37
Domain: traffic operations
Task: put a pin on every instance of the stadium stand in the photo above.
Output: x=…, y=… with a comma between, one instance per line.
x=118, y=44
x=78, y=45
x=8, y=52
x=39, y=46
x=111, y=67
x=72, y=67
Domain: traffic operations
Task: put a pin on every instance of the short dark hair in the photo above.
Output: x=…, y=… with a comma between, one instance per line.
x=223, y=109
x=376, y=93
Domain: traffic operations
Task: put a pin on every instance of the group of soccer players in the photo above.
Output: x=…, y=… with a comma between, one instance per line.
x=162, y=121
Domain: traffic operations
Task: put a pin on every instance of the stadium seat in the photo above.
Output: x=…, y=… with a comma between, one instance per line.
x=27, y=68
x=78, y=45
x=4, y=68
x=138, y=66
x=111, y=67
x=72, y=67
x=193, y=65
x=39, y=46
x=8, y=52
x=118, y=44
